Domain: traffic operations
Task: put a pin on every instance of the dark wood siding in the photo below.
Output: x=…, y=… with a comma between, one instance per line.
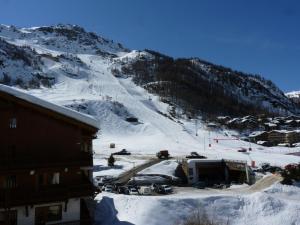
x=39, y=136
x=42, y=142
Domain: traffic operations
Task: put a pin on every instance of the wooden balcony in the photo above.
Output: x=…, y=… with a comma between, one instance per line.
x=54, y=193
x=47, y=161
x=79, y=222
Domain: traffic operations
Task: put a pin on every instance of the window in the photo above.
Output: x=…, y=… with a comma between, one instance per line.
x=11, y=181
x=54, y=213
x=13, y=123
x=86, y=146
x=191, y=172
x=55, y=178
x=45, y=179
x=48, y=214
x=8, y=218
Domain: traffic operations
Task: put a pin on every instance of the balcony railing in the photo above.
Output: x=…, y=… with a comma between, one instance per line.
x=22, y=196
x=46, y=161
x=79, y=222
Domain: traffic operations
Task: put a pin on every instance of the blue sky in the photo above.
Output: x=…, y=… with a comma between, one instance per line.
x=257, y=36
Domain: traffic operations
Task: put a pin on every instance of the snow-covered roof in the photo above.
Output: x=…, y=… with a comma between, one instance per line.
x=271, y=124
x=261, y=142
x=286, y=131
x=84, y=118
x=256, y=133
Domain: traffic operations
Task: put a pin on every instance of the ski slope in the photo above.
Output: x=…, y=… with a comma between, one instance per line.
x=112, y=99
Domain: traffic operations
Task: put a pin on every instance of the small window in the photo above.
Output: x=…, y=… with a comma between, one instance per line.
x=86, y=146
x=54, y=213
x=13, y=123
x=48, y=214
x=11, y=182
x=55, y=178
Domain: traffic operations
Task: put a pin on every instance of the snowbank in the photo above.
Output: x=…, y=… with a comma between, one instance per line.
x=277, y=205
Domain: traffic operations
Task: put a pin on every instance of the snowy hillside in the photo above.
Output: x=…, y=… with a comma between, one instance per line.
x=68, y=66
x=294, y=95
x=199, y=87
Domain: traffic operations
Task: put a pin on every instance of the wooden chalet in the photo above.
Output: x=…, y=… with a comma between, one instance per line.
x=45, y=161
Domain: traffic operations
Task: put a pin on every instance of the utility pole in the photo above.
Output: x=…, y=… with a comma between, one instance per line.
x=196, y=126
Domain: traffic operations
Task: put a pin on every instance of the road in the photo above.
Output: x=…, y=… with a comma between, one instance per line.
x=125, y=177
x=260, y=185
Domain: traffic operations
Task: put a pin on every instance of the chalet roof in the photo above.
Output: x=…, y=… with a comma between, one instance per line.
x=80, y=117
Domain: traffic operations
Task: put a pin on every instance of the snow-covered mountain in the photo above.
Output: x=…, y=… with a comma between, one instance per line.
x=43, y=56
x=294, y=96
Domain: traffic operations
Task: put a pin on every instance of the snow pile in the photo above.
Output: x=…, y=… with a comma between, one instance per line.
x=277, y=205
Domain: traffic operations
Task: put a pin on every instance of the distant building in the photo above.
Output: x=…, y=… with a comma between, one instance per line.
x=276, y=137
x=45, y=161
x=211, y=171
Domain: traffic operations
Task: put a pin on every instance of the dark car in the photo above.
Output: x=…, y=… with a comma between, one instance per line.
x=195, y=155
x=122, y=152
x=123, y=190
x=242, y=150
x=163, y=154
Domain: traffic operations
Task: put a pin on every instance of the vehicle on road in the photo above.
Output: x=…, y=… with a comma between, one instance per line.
x=122, y=152
x=195, y=155
x=163, y=154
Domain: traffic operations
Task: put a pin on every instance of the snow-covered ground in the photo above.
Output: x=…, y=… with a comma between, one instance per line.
x=276, y=205
x=122, y=164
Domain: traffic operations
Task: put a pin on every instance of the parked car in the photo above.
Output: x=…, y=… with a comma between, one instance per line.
x=145, y=190
x=166, y=189
x=100, y=181
x=133, y=191
x=123, y=190
x=155, y=187
x=108, y=188
x=122, y=152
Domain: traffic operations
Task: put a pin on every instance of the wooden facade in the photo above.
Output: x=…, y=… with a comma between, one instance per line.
x=45, y=157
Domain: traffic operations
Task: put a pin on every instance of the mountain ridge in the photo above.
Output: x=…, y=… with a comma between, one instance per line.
x=43, y=56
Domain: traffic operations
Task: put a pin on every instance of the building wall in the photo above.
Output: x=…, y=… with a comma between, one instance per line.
x=72, y=214
x=37, y=133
